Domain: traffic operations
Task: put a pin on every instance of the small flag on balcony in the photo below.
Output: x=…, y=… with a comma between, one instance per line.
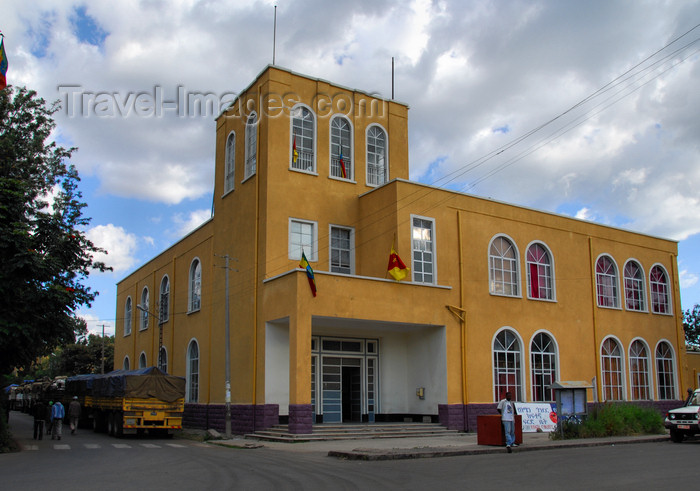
x=304, y=264
x=295, y=154
x=396, y=268
x=342, y=164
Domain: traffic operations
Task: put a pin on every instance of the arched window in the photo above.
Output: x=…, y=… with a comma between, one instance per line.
x=126, y=364
x=540, y=279
x=163, y=359
x=193, y=372
x=303, y=135
x=377, y=168
x=341, y=148
x=611, y=366
x=230, y=163
x=634, y=286
x=163, y=315
x=658, y=284
x=665, y=372
x=543, y=358
x=251, y=144
x=639, y=371
x=503, y=267
x=507, y=371
x=606, y=282
x=127, y=316
x=142, y=360
x=143, y=308
x=195, y=293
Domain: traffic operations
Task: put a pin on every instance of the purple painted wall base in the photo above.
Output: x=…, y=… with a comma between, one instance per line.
x=462, y=417
x=452, y=416
x=245, y=418
x=301, y=418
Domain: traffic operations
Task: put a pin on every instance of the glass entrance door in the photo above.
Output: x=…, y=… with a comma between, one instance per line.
x=344, y=379
x=351, y=394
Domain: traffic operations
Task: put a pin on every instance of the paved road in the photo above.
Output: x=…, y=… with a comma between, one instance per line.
x=95, y=461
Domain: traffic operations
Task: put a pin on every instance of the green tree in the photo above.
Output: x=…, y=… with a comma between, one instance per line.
x=691, y=326
x=85, y=356
x=44, y=254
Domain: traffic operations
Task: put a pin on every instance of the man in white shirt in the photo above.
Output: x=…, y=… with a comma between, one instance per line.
x=507, y=409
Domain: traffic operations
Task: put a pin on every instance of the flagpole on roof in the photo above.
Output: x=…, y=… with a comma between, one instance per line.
x=392, y=85
x=274, y=36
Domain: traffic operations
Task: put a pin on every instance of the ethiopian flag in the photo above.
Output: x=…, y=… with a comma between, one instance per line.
x=304, y=264
x=396, y=267
x=3, y=64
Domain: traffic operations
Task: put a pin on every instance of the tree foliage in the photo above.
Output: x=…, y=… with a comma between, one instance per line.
x=85, y=356
x=44, y=254
x=691, y=326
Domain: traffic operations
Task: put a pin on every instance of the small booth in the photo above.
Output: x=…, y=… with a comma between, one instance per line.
x=489, y=430
x=572, y=401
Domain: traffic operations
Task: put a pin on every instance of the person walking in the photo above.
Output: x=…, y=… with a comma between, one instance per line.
x=507, y=410
x=73, y=414
x=47, y=417
x=57, y=414
x=39, y=416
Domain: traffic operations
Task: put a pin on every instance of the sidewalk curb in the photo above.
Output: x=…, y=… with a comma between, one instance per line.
x=428, y=452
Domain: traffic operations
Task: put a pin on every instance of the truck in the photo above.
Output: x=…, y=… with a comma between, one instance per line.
x=130, y=401
x=684, y=421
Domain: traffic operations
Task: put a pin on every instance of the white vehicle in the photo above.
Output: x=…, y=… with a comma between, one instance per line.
x=684, y=421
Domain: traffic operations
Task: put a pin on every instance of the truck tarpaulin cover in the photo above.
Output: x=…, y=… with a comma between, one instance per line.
x=142, y=383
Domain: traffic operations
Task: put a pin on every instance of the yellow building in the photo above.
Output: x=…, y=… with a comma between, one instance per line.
x=497, y=297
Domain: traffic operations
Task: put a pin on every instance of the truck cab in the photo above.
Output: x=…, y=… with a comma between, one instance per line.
x=684, y=421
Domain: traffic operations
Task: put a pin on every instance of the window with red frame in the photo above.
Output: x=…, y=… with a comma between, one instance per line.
x=539, y=273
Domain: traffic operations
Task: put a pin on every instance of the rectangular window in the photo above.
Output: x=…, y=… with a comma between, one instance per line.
x=302, y=237
x=423, y=245
x=341, y=250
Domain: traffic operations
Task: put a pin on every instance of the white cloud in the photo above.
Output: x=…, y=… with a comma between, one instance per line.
x=585, y=214
x=191, y=221
x=94, y=324
x=120, y=245
x=688, y=279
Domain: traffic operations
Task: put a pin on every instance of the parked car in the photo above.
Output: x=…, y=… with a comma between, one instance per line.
x=684, y=421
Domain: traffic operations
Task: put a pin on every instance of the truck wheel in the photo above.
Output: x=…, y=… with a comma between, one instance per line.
x=119, y=424
x=676, y=436
x=98, y=419
x=110, y=424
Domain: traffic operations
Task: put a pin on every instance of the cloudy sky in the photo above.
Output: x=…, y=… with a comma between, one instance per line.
x=584, y=108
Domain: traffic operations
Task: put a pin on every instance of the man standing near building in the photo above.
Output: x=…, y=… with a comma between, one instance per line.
x=57, y=415
x=507, y=409
x=73, y=414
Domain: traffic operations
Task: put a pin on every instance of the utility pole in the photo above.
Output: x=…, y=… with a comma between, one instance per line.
x=103, y=348
x=228, y=361
x=227, y=421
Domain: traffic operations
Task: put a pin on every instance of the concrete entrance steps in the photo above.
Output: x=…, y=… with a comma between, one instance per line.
x=323, y=432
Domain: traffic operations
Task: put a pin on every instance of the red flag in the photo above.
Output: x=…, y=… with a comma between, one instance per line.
x=396, y=267
x=342, y=164
x=295, y=154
